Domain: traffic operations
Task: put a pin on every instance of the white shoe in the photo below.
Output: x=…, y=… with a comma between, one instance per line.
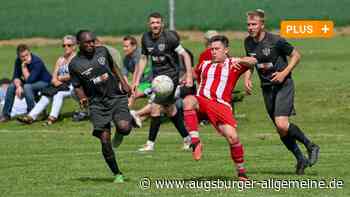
x=148, y=147
x=117, y=140
x=137, y=119
x=187, y=143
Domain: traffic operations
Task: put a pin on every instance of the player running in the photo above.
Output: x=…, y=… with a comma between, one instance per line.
x=217, y=79
x=102, y=89
x=275, y=73
x=163, y=47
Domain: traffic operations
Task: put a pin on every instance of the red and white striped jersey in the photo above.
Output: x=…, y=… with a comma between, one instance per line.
x=217, y=80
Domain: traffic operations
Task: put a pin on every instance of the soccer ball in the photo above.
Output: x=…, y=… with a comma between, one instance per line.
x=162, y=86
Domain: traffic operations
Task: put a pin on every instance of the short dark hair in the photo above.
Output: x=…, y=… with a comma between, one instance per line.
x=83, y=31
x=21, y=48
x=220, y=38
x=155, y=15
x=5, y=81
x=132, y=40
x=258, y=13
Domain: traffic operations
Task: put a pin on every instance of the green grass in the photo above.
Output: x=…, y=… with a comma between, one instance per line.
x=65, y=160
x=53, y=18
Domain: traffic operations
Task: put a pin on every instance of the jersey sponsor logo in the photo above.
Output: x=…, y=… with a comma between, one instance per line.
x=252, y=54
x=158, y=58
x=101, y=60
x=266, y=51
x=161, y=47
x=149, y=49
x=264, y=67
x=87, y=72
x=100, y=78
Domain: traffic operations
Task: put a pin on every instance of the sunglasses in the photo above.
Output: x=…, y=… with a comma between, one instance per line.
x=67, y=45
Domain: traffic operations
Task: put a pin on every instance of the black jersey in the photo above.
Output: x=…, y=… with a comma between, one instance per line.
x=94, y=74
x=271, y=54
x=162, y=52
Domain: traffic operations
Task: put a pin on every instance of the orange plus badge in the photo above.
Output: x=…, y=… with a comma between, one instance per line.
x=307, y=29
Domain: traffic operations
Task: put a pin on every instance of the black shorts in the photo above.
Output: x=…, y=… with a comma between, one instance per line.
x=105, y=110
x=279, y=99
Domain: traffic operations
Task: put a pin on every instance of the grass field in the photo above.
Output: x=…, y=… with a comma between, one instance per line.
x=52, y=18
x=65, y=160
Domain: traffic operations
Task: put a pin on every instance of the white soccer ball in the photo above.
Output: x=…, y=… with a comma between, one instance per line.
x=162, y=86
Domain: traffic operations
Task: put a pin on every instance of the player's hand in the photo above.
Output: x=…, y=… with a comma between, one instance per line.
x=19, y=91
x=235, y=63
x=134, y=88
x=84, y=103
x=278, y=77
x=248, y=86
x=189, y=82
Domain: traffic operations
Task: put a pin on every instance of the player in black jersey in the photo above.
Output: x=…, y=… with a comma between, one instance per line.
x=275, y=73
x=101, y=89
x=163, y=47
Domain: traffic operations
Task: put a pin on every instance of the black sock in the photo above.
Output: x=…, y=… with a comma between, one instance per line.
x=108, y=154
x=293, y=147
x=179, y=123
x=154, y=128
x=297, y=134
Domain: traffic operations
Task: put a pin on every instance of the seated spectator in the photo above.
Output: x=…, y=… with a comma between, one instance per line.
x=19, y=106
x=30, y=76
x=60, y=87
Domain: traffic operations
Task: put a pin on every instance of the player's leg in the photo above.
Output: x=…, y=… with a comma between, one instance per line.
x=236, y=149
x=122, y=119
x=285, y=107
x=191, y=107
x=282, y=125
x=272, y=106
x=108, y=153
x=175, y=113
x=154, y=127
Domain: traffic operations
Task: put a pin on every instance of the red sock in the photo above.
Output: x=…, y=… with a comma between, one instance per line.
x=191, y=122
x=237, y=155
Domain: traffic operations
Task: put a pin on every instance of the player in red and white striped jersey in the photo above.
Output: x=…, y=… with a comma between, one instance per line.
x=217, y=79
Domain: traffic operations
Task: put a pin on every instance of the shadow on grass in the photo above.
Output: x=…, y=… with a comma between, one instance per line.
x=95, y=179
x=209, y=178
x=281, y=172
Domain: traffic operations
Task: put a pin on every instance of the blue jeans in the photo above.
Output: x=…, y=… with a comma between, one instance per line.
x=29, y=92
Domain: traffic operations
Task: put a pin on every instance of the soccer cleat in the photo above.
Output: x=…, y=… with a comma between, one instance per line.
x=117, y=140
x=313, y=153
x=242, y=176
x=136, y=119
x=301, y=165
x=25, y=119
x=119, y=178
x=146, y=148
x=197, y=150
x=187, y=143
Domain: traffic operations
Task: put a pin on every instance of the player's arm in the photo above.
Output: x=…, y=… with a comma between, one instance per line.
x=188, y=64
x=294, y=57
x=115, y=68
x=247, y=61
x=139, y=69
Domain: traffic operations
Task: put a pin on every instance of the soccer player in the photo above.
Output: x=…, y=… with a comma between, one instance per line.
x=275, y=73
x=217, y=79
x=163, y=47
x=102, y=89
